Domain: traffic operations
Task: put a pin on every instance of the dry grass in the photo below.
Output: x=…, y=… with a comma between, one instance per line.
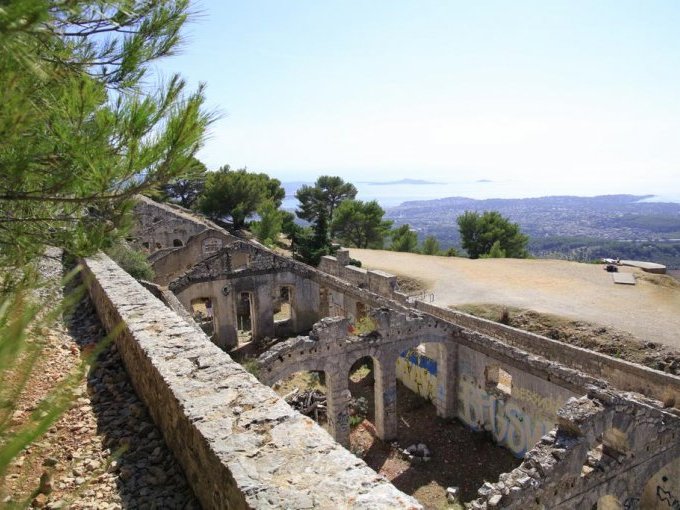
x=606, y=340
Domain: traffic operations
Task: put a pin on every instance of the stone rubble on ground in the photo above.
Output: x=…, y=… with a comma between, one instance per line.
x=105, y=452
x=417, y=453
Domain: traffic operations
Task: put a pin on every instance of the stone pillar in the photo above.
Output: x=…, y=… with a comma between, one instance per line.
x=386, y=397
x=446, y=400
x=224, y=318
x=338, y=395
x=342, y=256
x=262, y=312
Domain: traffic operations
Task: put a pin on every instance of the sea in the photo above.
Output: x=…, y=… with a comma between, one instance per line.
x=391, y=194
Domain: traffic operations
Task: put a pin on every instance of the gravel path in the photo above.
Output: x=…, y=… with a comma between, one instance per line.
x=648, y=310
x=105, y=452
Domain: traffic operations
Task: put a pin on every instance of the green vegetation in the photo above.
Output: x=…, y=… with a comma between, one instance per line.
x=78, y=137
x=268, y=228
x=134, y=262
x=431, y=246
x=491, y=235
x=237, y=194
x=319, y=202
x=318, y=205
x=404, y=239
x=186, y=190
x=360, y=224
x=81, y=133
x=586, y=249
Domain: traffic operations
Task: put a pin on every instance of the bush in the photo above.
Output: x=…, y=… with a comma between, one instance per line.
x=134, y=262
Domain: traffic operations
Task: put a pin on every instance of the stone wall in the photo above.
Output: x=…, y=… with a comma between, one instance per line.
x=609, y=451
x=165, y=226
x=621, y=374
x=461, y=377
x=374, y=280
x=240, y=445
x=198, y=247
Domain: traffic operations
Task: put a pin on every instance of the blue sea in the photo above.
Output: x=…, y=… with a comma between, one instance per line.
x=390, y=195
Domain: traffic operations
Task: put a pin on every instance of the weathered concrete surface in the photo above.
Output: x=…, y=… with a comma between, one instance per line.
x=165, y=227
x=239, y=443
x=649, y=267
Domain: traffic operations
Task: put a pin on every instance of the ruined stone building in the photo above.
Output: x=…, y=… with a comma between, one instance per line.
x=593, y=431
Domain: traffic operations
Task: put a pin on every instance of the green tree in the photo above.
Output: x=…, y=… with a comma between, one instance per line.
x=404, y=239
x=186, y=190
x=268, y=228
x=309, y=244
x=360, y=224
x=496, y=252
x=79, y=134
x=430, y=246
x=238, y=194
x=323, y=198
x=479, y=233
x=318, y=204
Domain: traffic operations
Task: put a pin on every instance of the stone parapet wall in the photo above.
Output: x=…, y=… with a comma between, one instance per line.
x=240, y=445
x=619, y=373
x=374, y=280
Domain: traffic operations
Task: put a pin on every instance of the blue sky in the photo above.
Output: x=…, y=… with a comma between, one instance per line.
x=571, y=96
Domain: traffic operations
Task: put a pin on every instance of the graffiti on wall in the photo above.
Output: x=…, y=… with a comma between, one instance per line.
x=509, y=424
x=418, y=373
x=662, y=489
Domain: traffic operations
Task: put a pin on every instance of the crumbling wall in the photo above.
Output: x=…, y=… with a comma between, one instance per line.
x=380, y=282
x=662, y=490
x=606, y=452
x=198, y=247
x=517, y=409
x=242, y=268
x=240, y=445
x=164, y=226
x=418, y=372
x=621, y=374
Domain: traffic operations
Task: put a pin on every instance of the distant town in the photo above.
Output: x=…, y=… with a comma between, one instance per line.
x=574, y=228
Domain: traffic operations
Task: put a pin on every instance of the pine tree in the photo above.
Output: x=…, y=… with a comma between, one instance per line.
x=80, y=134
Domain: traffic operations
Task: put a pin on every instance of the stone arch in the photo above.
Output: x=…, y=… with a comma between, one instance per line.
x=177, y=243
x=661, y=490
x=384, y=390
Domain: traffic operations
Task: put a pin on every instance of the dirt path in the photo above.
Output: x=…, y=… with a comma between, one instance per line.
x=650, y=310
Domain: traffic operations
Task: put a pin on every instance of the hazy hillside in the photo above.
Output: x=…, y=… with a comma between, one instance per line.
x=580, y=228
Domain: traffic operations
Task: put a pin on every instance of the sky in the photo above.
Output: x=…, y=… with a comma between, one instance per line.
x=578, y=97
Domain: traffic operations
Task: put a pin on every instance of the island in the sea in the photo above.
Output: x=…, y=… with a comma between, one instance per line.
x=402, y=181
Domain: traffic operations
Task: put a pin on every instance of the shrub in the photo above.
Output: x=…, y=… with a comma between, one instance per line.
x=132, y=261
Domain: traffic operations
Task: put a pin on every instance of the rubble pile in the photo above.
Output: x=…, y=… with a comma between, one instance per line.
x=311, y=403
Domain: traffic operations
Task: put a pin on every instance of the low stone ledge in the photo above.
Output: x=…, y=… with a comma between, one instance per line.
x=240, y=445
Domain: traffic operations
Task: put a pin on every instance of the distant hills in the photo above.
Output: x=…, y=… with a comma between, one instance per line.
x=629, y=226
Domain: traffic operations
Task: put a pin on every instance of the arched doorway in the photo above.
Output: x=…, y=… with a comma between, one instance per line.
x=662, y=490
